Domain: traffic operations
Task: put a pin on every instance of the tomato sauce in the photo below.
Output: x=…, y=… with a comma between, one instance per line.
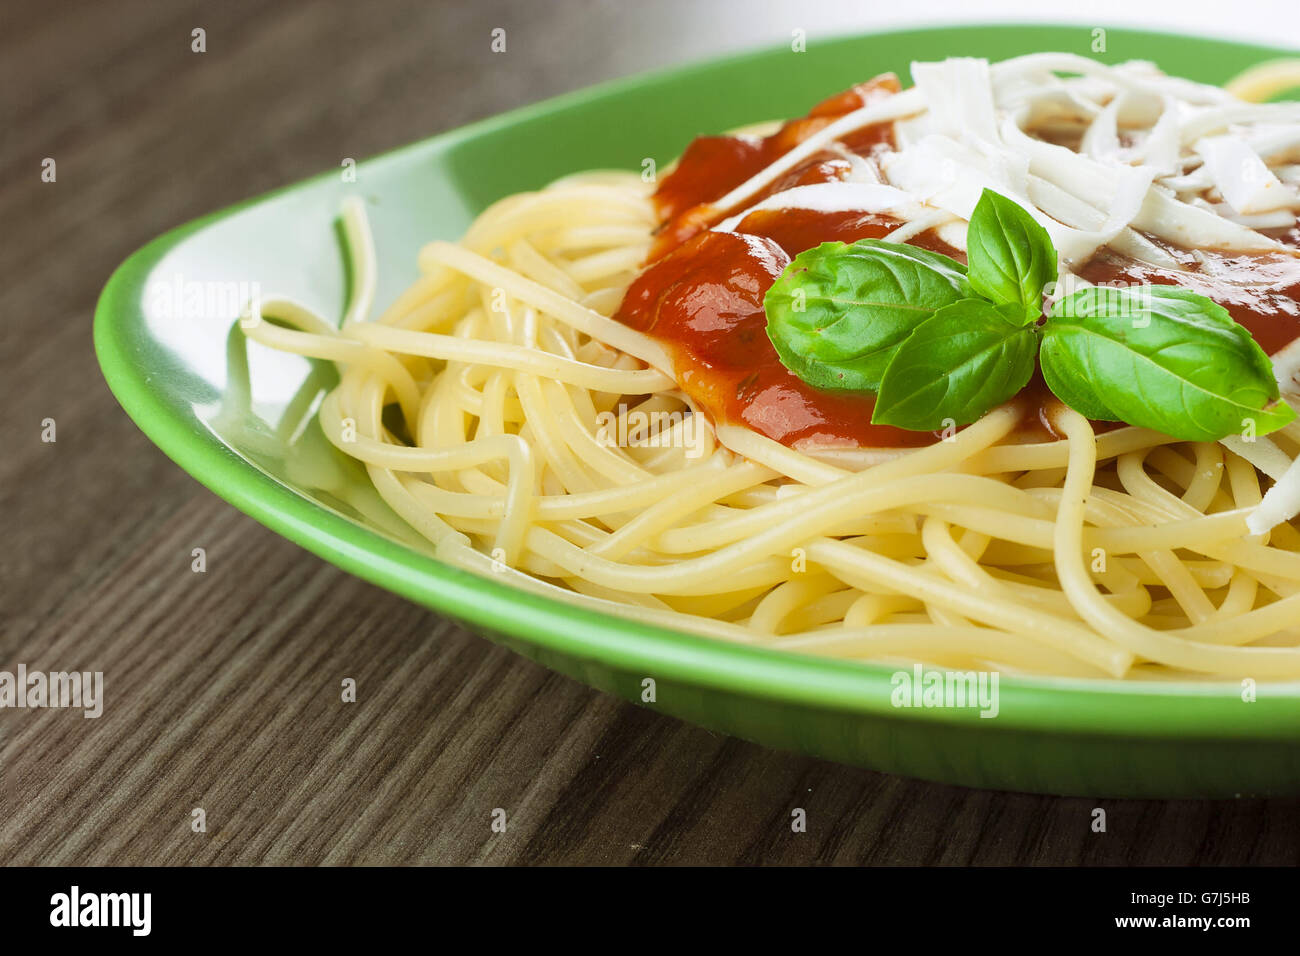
x=702, y=293
x=712, y=166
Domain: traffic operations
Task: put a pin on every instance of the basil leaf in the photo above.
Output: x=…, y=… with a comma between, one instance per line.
x=962, y=361
x=1161, y=357
x=1010, y=257
x=837, y=312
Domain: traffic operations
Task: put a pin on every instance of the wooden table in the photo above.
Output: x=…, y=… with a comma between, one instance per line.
x=223, y=687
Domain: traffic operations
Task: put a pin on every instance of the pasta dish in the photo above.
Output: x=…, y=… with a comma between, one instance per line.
x=995, y=369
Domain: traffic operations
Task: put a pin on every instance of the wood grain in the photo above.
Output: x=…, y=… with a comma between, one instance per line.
x=223, y=686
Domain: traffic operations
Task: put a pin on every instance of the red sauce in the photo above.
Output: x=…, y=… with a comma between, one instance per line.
x=702, y=294
x=712, y=166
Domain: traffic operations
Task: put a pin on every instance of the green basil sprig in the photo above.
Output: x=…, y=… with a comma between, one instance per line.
x=943, y=343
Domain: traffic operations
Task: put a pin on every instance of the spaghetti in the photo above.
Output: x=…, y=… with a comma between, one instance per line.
x=515, y=410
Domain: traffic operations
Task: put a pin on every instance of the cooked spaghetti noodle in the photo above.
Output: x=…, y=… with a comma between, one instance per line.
x=540, y=438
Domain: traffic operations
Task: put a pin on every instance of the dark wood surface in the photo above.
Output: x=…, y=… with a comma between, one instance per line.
x=223, y=687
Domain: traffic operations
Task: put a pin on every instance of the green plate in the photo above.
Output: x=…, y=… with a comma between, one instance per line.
x=238, y=418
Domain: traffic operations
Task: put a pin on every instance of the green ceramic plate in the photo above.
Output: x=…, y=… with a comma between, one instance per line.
x=238, y=418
